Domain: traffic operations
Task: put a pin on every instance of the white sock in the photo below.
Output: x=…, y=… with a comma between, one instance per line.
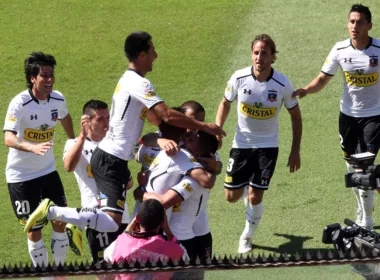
x=38, y=253
x=252, y=219
x=125, y=219
x=367, y=199
x=83, y=217
x=59, y=245
x=359, y=210
x=136, y=209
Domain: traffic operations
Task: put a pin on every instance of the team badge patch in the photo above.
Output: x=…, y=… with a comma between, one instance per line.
x=373, y=61
x=266, y=174
x=54, y=115
x=371, y=148
x=272, y=96
x=11, y=117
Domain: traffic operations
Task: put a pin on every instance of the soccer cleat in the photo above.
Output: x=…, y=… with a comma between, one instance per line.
x=75, y=238
x=39, y=216
x=245, y=245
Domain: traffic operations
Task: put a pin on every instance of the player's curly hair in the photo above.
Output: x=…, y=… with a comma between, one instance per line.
x=33, y=64
x=364, y=10
x=268, y=40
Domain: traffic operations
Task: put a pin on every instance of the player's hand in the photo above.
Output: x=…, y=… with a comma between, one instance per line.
x=138, y=194
x=301, y=93
x=42, y=148
x=169, y=146
x=84, y=125
x=210, y=164
x=133, y=226
x=294, y=161
x=214, y=129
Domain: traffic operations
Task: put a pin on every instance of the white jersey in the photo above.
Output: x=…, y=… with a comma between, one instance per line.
x=146, y=155
x=82, y=172
x=133, y=96
x=361, y=91
x=185, y=213
x=33, y=121
x=258, y=106
x=165, y=171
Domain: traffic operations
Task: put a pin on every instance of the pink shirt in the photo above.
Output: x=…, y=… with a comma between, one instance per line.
x=142, y=246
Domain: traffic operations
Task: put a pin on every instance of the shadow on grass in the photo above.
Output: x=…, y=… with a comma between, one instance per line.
x=294, y=245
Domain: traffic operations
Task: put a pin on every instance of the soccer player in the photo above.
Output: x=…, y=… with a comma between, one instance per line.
x=359, y=119
x=260, y=92
x=30, y=172
x=134, y=96
x=76, y=158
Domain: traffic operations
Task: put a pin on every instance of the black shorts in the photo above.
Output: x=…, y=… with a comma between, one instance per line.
x=26, y=196
x=190, y=246
x=253, y=167
x=111, y=176
x=203, y=246
x=358, y=135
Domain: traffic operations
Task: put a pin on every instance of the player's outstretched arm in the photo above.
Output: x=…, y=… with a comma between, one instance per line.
x=221, y=116
x=12, y=141
x=315, y=85
x=67, y=124
x=178, y=119
x=294, y=161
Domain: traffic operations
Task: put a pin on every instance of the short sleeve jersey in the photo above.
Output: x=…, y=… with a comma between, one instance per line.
x=146, y=155
x=258, y=107
x=132, y=98
x=83, y=174
x=33, y=121
x=185, y=213
x=361, y=87
x=165, y=171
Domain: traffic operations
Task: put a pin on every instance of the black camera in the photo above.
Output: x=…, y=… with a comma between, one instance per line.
x=366, y=174
x=351, y=236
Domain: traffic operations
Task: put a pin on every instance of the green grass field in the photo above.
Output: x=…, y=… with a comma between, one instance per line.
x=200, y=44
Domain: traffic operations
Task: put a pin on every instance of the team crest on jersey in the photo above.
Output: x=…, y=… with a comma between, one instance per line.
x=272, y=96
x=145, y=84
x=359, y=71
x=266, y=174
x=11, y=117
x=54, y=115
x=371, y=148
x=373, y=61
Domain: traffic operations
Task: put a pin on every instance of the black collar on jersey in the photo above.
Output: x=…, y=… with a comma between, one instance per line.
x=146, y=234
x=269, y=77
x=368, y=45
x=88, y=139
x=130, y=69
x=35, y=99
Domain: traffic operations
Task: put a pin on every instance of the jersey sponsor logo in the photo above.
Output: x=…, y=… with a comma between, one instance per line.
x=192, y=159
x=54, y=115
x=272, y=95
x=89, y=172
x=187, y=187
x=257, y=113
x=177, y=207
x=117, y=89
x=327, y=61
x=143, y=114
x=348, y=60
x=39, y=136
x=228, y=179
x=120, y=203
x=11, y=117
x=150, y=94
x=228, y=88
x=373, y=61
x=150, y=160
x=247, y=91
x=360, y=79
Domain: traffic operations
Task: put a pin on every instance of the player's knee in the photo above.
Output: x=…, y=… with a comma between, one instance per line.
x=255, y=196
x=58, y=226
x=35, y=236
x=231, y=196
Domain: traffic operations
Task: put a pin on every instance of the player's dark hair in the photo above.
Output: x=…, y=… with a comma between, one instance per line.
x=192, y=105
x=33, y=64
x=170, y=131
x=364, y=10
x=151, y=214
x=208, y=143
x=136, y=43
x=91, y=105
x=268, y=40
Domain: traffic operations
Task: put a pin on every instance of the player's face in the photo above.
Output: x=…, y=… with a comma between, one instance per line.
x=262, y=56
x=99, y=123
x=150, y=57
x=43, y=83
x=358, y=26
x=191, y=142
